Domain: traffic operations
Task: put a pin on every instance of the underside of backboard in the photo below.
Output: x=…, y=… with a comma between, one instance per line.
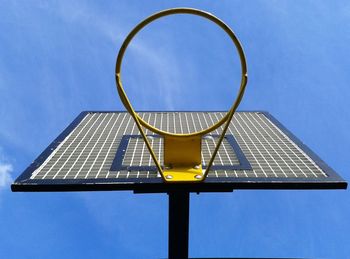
x=104, y=151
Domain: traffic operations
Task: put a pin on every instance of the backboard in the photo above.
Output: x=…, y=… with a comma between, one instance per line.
x=104, y=151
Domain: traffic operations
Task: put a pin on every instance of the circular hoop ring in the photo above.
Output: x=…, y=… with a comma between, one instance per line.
x=181, y=10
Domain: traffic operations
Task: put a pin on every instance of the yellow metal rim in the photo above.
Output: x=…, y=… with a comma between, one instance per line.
x=181, y=10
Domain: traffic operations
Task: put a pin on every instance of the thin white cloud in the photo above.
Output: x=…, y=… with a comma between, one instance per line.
x=5, y=171
x=162, y=63
x=165, y=67
x=5, y=174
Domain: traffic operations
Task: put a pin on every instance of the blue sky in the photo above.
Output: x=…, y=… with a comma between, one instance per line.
x=57, y=59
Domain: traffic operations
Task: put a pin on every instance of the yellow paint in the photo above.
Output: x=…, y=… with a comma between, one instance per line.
x=182, y=151
x=182, y=158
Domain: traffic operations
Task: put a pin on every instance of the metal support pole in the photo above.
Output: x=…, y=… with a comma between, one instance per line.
x=179, y=206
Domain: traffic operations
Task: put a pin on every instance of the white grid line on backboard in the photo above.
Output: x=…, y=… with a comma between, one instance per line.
x=65, y=150
x=206, y=143
x=111, y=145
x=268, y=153
x=235, y=171
x=245, y=143
x=71, y=158
x=101, y=149
x=109, y=151
x=218, y=154
x=277, y=153
x=254, y=146
x=296, y=147
x=91, y=146
x=79, y=159
x=90, y=152
x=39, y=169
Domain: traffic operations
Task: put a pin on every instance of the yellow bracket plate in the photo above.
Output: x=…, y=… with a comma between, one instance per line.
x=182, y=159
x=184, y=174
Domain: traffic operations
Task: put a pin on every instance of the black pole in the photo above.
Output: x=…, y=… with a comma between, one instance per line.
x=179, y=208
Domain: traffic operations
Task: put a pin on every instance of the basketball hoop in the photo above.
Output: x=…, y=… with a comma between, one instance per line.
x=182, y=152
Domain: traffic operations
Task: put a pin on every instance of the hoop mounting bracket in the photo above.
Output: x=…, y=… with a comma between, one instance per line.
x=182, y=159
